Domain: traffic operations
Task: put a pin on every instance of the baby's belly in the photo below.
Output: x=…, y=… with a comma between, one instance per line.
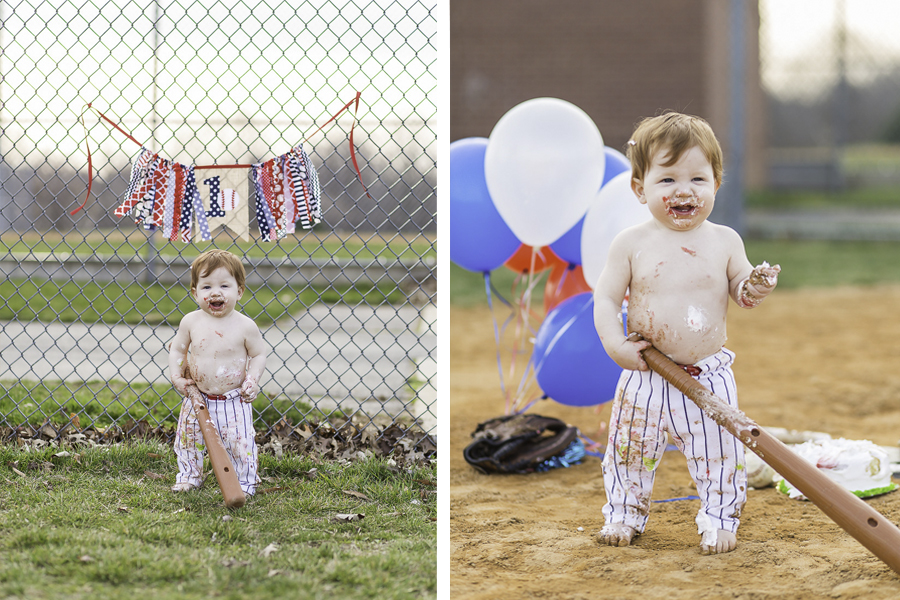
x=684, y=333
x=217, y=377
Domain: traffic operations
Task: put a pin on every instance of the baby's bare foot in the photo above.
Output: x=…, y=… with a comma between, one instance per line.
x=725, y=541
x=616, y=534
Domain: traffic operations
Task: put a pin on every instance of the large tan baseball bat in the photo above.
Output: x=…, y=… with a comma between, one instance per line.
x=218, y=457
x=868, y=526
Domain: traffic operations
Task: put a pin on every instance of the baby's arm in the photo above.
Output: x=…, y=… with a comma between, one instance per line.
x=178, y=349
x=608, y=295
x=749, y=285
x=256, y=363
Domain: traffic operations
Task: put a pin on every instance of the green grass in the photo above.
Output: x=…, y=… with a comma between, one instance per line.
x=98, y=526
x=827, y=264
x=395, y=246
x=155, y=304
x=103, y=403
x=867, y=197
x=803, y=263
x=864, y=164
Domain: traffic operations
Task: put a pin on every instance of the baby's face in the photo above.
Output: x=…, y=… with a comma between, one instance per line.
x=217, y=293
x=680, y=196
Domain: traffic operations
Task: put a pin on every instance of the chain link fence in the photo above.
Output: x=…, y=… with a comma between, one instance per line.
x=91, y=300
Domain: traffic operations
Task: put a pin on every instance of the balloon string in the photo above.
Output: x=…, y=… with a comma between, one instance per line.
x=524, y=328
x=517, y=336
x=493, y=288
x=532, y=313
x=561, y=283
x=488, y=286
x=528, y=375
x=530, y=404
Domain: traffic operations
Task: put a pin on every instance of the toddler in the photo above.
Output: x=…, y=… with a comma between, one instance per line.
x=222, y=352
x=678, y=270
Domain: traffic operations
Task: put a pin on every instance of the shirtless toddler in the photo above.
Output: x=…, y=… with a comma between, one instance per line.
x=222, y=352
x=678, y=270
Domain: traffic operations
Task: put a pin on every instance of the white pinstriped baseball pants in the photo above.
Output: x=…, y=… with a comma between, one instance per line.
x=646, y=406
x=233, y=420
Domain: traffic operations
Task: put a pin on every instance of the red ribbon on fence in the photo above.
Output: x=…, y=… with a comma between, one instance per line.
x=354, y=103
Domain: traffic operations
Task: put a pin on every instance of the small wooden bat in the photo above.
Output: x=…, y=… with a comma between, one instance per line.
x=868, y=526
x=218, y=457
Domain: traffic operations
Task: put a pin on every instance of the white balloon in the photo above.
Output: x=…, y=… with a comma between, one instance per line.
x=544, y=163
x=614, y=209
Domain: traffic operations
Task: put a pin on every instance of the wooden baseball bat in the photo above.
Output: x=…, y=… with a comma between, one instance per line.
x=218, y=457
x=868, y=526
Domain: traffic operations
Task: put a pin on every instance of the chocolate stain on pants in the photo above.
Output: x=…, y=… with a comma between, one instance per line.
x=233, y=420
x=646, y=407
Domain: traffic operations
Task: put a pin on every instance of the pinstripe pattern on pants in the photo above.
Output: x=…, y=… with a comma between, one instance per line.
x=233, y=420
x=646, y=407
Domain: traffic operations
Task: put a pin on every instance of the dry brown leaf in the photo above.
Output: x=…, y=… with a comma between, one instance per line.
x=359, y=495
x=265, y=552
x=153, y=475
x=123, y=509
x=18, y=472
x=352, y=439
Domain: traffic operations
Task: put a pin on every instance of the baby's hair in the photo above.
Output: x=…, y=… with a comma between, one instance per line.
x=211, y=260
x=676, y=133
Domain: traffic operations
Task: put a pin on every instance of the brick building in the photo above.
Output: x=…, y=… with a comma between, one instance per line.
x=618, y=60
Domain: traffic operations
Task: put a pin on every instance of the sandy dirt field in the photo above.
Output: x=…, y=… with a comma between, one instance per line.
x=822, y=360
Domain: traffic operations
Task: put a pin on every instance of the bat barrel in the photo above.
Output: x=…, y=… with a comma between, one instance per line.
x=868, y=526
x=231, y=490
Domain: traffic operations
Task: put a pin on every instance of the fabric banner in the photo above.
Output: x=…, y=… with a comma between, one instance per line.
x=225, y=194
x=283, y=193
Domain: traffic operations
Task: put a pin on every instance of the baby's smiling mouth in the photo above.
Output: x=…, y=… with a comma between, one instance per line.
x=683, y=208
x=217, y=304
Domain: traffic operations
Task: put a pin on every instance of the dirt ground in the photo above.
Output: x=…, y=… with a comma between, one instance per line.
x=821, y=360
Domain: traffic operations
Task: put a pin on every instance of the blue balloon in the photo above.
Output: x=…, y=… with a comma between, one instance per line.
x=480, y=240
x=568, y=247
x=569, y=361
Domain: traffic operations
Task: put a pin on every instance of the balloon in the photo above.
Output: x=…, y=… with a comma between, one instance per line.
x=563, y=282
x=480, y=240
x=569, y=361
x=568, y=247
x=614, y=209
x=544, y=258
x=544, y=164
x=616, y=163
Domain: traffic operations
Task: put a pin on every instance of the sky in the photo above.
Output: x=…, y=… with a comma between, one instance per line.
x=798, y=52
x=291, y=63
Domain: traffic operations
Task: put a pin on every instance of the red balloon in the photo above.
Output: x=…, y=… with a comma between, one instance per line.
x=544, y=258
x=564, y=281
